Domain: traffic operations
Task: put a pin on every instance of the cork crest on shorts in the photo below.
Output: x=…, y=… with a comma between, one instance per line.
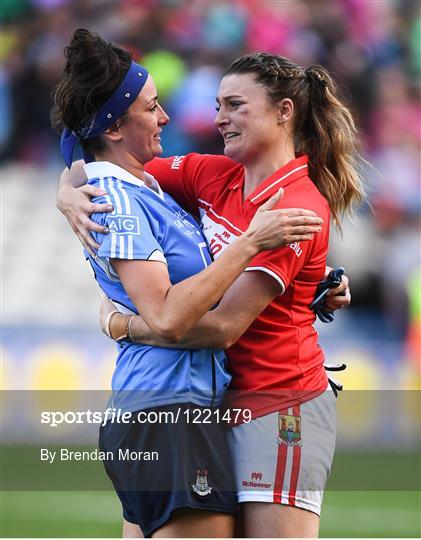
x=289, y=430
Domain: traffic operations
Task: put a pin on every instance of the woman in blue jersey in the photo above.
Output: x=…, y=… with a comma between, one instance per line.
x=155, y=262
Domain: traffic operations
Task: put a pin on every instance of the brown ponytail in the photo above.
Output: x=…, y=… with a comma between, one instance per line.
x=323, y=126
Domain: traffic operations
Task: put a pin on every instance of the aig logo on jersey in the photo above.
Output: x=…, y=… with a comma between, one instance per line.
x=121, y=224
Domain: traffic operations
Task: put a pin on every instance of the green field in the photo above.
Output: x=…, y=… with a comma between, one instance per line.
x=370, y=494
x=90, y=514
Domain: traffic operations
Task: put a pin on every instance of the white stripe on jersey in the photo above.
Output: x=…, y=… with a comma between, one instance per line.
x=126, y=199
x=118, y=197
x=219, y=238
x=108, y=199
x=210, y=209
x=267, y=271
x=112, y=187
x=203, y=246
x=277, y=181
x=216, y=234
x=127, y=211
x=121, y=252
x=130, y=246
x=158, y=256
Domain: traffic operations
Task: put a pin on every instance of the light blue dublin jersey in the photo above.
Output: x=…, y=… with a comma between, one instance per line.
x=147, y=224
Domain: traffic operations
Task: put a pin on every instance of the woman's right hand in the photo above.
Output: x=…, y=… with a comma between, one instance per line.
x=270, y=229
x=76, y=205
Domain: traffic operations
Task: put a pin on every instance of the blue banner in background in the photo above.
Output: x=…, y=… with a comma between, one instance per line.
x=379, y=406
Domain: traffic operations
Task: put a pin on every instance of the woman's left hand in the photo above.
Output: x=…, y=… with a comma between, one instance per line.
x=340, y=296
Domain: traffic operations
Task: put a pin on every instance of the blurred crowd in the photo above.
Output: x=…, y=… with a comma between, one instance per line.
x=373, y=48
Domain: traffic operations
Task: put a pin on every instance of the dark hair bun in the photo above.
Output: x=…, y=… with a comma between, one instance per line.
x=84, y=46
x=96, y=66
x=94, y=70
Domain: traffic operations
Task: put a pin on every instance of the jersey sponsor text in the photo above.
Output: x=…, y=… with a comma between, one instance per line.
x=177, y=161
x=123, y=224
x=295, y=246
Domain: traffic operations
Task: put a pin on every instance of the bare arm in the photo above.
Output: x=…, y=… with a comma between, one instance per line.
x=158, y=302
x=340, y=296
x=220, y=328
x=74, y=177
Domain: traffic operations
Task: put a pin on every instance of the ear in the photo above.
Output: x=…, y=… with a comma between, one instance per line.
x=114, y=133
x=285, y=110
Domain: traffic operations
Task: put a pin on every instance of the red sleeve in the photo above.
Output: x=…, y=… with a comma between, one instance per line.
x=303, y=260
x=183, y=177
x=286, y=263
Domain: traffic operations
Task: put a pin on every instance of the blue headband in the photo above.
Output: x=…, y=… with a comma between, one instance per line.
x=112, y=109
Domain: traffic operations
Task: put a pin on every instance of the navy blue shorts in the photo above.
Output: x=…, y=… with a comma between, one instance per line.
x=158, y=467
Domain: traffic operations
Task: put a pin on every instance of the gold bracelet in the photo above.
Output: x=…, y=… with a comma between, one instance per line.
x=129, y=328
x=106, y=328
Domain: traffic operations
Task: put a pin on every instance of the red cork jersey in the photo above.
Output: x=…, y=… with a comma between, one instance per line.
x=280, y=350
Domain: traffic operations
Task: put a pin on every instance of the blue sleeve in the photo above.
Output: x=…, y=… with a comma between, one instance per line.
x=131, y=235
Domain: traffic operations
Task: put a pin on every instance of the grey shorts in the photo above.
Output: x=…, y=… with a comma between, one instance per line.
x=285, y=457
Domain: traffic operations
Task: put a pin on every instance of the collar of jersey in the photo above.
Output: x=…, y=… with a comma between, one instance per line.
x=104, y=169
x=294, y=169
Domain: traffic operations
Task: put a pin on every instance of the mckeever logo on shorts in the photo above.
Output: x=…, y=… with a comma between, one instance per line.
x=256, y=481
x=289, y=430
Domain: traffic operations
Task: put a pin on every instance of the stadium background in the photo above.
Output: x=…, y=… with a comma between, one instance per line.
x=50, y=338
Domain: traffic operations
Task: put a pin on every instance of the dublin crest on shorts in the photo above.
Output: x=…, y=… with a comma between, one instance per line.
x=289, y=430
x=201, y=486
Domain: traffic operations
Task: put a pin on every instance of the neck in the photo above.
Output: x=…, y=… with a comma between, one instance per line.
x=126, y=162
x=256, y=173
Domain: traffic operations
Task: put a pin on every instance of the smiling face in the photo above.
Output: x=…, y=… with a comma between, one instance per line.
x=247, y=120
x=141, y=126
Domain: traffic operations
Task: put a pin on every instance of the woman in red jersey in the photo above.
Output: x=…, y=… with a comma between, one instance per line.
x=283, y=126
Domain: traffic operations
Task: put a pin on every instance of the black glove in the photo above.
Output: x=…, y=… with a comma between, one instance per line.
x=318, y=305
